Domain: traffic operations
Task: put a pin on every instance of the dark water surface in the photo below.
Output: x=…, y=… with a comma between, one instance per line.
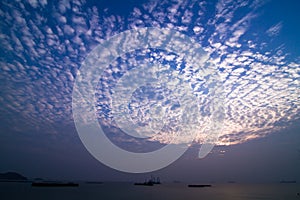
x=178, y=191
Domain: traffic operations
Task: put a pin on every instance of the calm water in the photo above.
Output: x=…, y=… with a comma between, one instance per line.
x=172, y=191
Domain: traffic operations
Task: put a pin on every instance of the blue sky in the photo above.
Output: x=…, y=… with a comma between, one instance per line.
x=253, y=44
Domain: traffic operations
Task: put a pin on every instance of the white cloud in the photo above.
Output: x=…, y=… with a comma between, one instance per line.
x=68, y=30
x=43, y=2
x=267, y=94
x=274, y=30
x=33, y=3
x=198, y=29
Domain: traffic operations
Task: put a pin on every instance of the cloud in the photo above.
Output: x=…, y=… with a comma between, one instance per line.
x=274, y=30
x=43, y=55
x=33, y=3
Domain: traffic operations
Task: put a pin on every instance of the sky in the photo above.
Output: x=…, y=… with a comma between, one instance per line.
x=253, y=48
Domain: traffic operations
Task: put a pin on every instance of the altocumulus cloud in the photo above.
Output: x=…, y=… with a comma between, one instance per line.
x=41, y=54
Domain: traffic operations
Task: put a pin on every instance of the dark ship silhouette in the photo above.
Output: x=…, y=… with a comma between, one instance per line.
x=150, y=182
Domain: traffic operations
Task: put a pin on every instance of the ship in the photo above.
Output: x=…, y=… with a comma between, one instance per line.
x=199, y=185
x=150, y=182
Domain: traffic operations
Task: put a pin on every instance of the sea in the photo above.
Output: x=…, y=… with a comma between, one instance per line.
x=164, y=191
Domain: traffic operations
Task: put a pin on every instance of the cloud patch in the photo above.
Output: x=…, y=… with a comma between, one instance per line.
x=274, y=30
x=41, y=57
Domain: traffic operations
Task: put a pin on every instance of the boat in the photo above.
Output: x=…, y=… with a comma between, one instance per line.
x=199, y=185
x=146, y=183
x=155, y=180
x=288, y=181
x=151, y=182
x=54, y=184
x=231, y=182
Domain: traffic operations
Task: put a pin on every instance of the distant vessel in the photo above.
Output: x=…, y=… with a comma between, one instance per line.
x=155, y=180
x=146, y=183
x=288, y=181
x=199, y=185
x=54, y=184
x=151, y=182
